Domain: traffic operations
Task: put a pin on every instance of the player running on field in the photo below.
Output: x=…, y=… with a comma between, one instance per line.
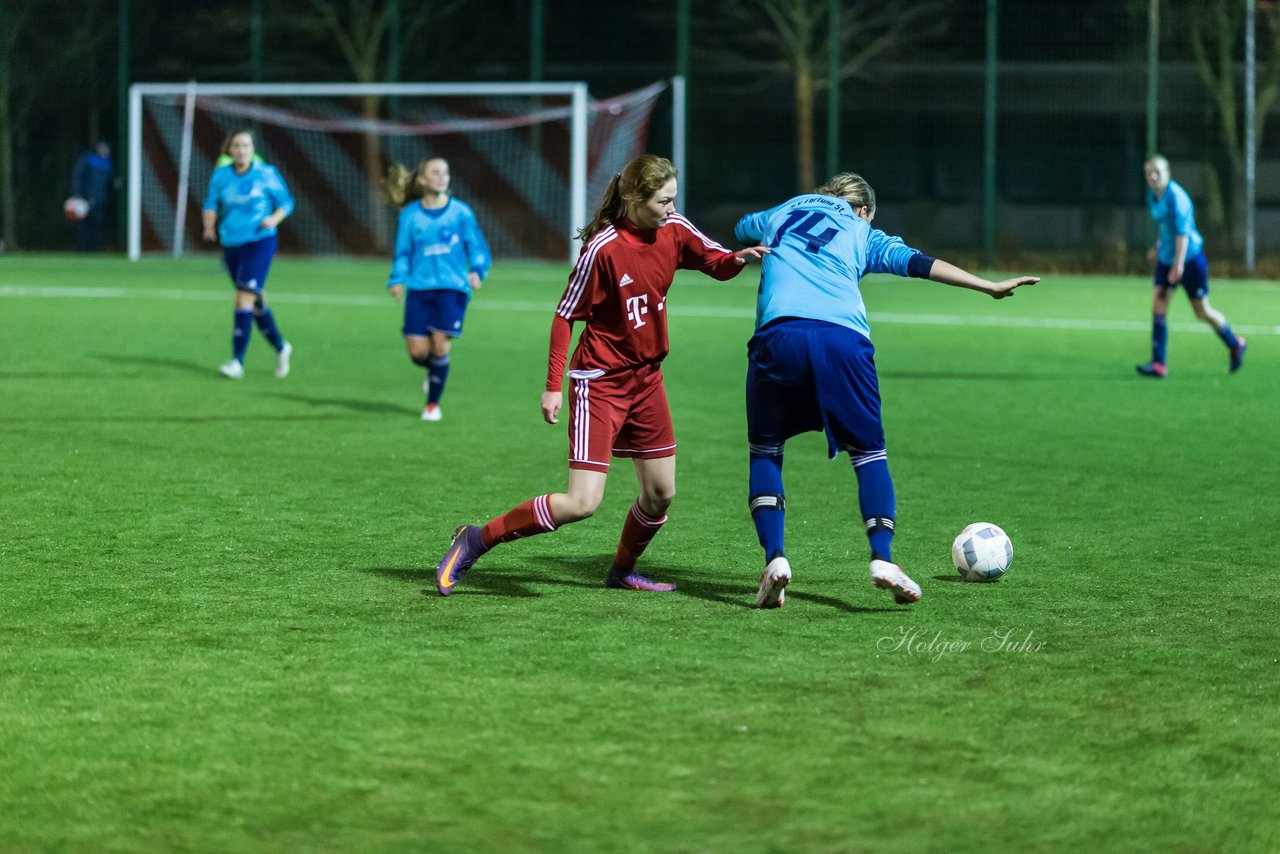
x=810, y=364
x=1180, y=260
x=441, y=257
x=617, y=404
x=246, y=202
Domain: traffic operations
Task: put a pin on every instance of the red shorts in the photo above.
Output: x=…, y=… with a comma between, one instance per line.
x=618, y=415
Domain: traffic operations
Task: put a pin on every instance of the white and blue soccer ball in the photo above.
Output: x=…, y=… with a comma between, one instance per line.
x=982, y=552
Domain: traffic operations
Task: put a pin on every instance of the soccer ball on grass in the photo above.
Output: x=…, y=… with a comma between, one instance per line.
x=982, y=552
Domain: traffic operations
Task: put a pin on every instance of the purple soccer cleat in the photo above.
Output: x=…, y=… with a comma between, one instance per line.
x=465, y=548
x=628, y=579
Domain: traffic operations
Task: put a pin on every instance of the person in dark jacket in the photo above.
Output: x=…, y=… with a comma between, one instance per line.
x=91, y=181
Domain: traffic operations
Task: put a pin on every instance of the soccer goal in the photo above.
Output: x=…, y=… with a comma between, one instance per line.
x=528, y=157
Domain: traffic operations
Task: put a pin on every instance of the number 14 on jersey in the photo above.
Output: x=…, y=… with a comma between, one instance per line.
x=802, y=223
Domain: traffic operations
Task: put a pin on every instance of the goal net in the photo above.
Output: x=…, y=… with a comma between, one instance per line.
x=530, y=159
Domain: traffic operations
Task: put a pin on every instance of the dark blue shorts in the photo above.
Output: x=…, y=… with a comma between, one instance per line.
x=1195, y=277
x=439, y=310
x=806, y=375
x=248, y=263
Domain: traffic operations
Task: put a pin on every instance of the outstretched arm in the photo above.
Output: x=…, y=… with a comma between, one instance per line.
x=888, y=254
x=950, y=274
x=699, y=252
x=744, y=257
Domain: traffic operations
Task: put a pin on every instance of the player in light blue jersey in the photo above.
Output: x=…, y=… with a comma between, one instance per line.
x=1180, y=260
x=810, y=364
x=441, y=257
x=246, y=202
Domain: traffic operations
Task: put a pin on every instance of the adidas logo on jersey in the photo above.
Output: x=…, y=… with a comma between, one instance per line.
x=625, y=280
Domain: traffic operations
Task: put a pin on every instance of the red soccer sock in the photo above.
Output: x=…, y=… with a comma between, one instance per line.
x=637, y=531
x=530, y=518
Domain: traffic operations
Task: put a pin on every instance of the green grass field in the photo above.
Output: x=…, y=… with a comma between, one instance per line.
x=220, y=629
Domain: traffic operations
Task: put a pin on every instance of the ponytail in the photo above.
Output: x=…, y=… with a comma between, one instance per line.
x=612, y=208
x=399, y=184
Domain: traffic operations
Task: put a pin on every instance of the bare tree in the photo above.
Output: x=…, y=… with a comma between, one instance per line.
x=789, y=38
x=359, y=29
x=1215, y=31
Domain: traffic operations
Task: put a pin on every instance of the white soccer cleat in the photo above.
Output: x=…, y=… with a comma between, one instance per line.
x=232, y=370
x=889, y=576
x=282, y=361
x=773, y=584
x=431, y=412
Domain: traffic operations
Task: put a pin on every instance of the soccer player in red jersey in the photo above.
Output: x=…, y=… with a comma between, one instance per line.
x=617, y=404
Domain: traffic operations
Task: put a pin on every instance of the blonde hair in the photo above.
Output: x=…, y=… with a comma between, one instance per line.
x=401, y=185
x=854, y=189
x=638, y=181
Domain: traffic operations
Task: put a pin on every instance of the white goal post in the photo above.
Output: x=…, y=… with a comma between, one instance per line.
x=528, y=157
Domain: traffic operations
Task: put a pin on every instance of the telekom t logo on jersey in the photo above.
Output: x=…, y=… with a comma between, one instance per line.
x=637, y=308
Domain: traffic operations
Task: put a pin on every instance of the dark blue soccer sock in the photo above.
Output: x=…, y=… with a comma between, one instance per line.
x=876, y=500
x=240, y=336
x=1228, y=337
x=267, y=326
x=437, y=373
x=1159, y=338
x=768, y=504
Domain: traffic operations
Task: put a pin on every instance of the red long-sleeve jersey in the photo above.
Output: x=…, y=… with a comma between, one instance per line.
x=619, y=287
